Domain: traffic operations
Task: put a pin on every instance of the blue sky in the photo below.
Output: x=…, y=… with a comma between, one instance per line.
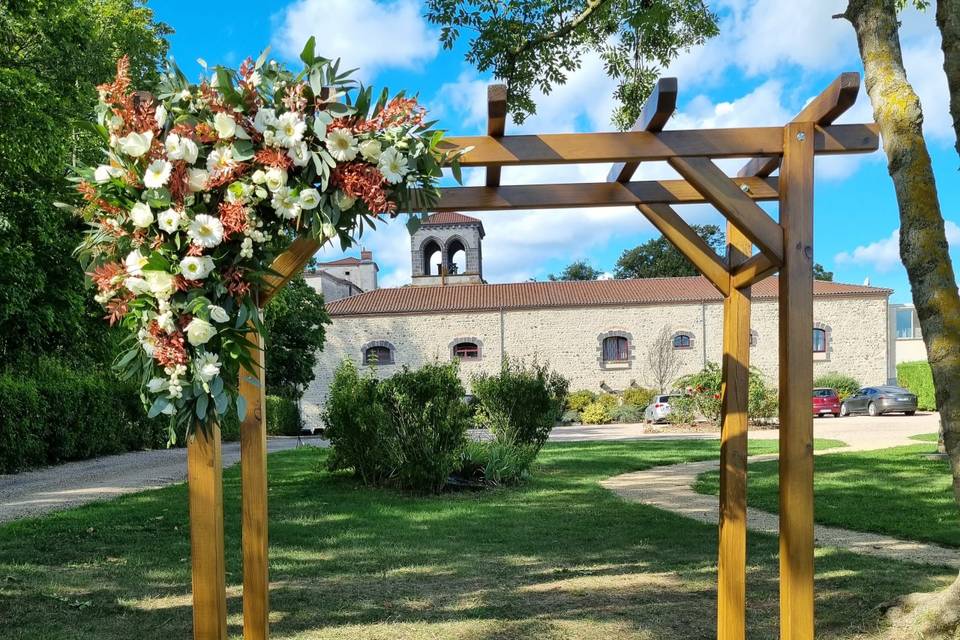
x=769, y=60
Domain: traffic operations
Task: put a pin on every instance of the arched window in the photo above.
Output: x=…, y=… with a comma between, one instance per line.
x=616, y=349
x=456, y=257
x=379, y=352
x=819, y=340
x=432, y=258
x=466, y=350
x=682, y=341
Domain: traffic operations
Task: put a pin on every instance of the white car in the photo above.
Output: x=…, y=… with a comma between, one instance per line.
x=659, y=408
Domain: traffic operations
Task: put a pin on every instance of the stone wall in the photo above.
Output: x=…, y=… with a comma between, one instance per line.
x=570, y=340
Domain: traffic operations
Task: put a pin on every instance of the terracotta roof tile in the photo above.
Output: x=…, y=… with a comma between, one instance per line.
x=348, y=261
x=448, y=217
x=526, y=295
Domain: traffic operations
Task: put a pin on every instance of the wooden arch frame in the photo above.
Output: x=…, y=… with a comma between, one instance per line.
x=785, y=246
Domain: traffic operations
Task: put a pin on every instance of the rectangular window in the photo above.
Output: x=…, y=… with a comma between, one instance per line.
x=819, y=341
x=907, y=325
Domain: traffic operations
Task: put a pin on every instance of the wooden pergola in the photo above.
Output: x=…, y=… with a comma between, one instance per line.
x=784, y=246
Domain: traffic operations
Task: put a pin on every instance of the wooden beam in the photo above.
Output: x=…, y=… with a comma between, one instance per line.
x=592, y=194
x=496, y=123
x=287, y=265
x=205, y=489
x=253, y=478
x=734, y=401
x=660, y=105
x=753, y=270
x=568, y=148
x=730, y=199
x=822, y=110
x=796, y=385
x=687, y=242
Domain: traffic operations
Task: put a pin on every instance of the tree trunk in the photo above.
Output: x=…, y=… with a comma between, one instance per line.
x=923, y=241
x=948, y=20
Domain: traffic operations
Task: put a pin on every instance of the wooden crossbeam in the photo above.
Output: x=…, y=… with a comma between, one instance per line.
x=753, y=270
x=287, y=265
x=496, y=123
x=635, y=146
x=687, y=242
x=660, y=105
x=822, y=110
x=591, y=194
x=736, y=205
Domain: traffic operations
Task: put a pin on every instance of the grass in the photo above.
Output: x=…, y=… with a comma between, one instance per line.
x=897, y=492
x=926, y=437
x=559, y=557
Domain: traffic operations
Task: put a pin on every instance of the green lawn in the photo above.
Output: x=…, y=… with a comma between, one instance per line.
x=896, y=491
x=559, y=557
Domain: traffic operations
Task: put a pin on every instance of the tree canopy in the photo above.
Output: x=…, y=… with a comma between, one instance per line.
x=293, y=333
x=658, y=258
x=579, y=270
x=534, y=44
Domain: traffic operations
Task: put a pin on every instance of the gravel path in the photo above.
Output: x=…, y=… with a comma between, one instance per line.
x=33, y=493
x=670, y=488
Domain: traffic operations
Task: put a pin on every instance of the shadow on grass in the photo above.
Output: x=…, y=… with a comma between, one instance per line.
x=559, y=557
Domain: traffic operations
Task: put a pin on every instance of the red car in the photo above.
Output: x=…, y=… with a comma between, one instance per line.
x=825, y=401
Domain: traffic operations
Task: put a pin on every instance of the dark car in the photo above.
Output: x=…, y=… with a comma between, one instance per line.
x=826, y=400
x=877, y=401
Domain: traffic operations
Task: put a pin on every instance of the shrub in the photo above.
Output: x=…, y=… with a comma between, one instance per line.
x=682, y=410
x=21, y=411
x=570, y=417
x=283, y=416
x=638, y=396
x=608, y=400
x=845, y=385
x=704, y=391
x=918, y=378
x=522, y=403
x=628, y=413
x=595, y=413
x=763, y=403
x=495, y=463
x=577, y=400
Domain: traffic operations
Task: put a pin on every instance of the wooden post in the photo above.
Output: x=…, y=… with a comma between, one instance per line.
x=732, y=561
x=205, y=486
x=253, y=474
x=796, y=384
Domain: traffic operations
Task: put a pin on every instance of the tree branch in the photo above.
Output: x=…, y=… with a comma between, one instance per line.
x=583, y=16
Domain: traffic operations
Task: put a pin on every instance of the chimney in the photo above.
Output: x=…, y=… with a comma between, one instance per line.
x=366, y=256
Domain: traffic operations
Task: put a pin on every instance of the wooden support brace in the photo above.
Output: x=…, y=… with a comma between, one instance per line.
x=660, y=105
x=734, y=393
x=796, y=385
x=687, y=242
x=753, y=270
x=205, y=489
x=253, y=475
x=496, y=123
x=287, y=265
x=736, y=205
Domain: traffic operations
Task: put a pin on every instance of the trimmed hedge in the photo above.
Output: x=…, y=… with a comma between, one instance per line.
x=844, y=385
x=53, y=413
x=917, y=377
x=283, y=416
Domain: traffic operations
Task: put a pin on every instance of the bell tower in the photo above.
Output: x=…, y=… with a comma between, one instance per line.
x=446, y=250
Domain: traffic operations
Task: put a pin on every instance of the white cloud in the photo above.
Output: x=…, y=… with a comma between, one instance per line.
x=363, y=33
x=884, y=255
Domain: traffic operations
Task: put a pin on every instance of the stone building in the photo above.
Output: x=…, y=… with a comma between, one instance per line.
x=344, y=277
x=599, y=334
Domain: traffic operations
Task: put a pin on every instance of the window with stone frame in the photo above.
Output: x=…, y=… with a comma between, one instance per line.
x=819, y=340
x=378, y=354
x=616, y=349
x=682, y=340
x=466, y=350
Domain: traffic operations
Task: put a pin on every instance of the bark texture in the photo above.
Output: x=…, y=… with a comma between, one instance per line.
x=923, y=250
x=948, y=20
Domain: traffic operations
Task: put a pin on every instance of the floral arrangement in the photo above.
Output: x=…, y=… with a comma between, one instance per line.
x=204, y=185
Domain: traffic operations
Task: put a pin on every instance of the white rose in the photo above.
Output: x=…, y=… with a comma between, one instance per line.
x=225, y=125
x=169, y=220
x=190, y=150
x=161, y=116
x=105, y=172
x=135, y=144
x=196, y=267
x=160, y=283
x=370, y=150
x=156, y=385
x=344, y=201
x=218, y=314
x=258, y=176
x=309, y=198
x=276, y=178
x=327, y=230
x=299, y=154
x=141, y=215
x=181, y=148
x=197, y=179
x=265, y=118
x=157, y=174
x=136, y=285
x=208, y=366
x=200, y=331
x=135, y=262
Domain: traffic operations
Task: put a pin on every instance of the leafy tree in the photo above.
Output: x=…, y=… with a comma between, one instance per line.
x=658, y=258
x=534, y=44
x=579, y=270
x=820, y=273
x=52, y=56
x=293, y=333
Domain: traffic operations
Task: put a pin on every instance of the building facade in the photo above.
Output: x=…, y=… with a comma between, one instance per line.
x=599, y=334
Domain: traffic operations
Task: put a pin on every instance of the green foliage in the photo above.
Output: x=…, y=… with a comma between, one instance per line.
x=703, y=397
x=608, y=400
x=638, y=396
x=57, y=413
x=534, y=45
x=570, y=417
x=628, y=413
x=577, y=400
x=595, y=413
x=820, y=273
x=496, y=463
x=52, y=56
x=405, y=431
x=522, y=403
x=918, y=378
x=579, y=270
x=683, y=410
x=845, y=385
x=703, y=388
x=658, y=258
x=763, y=403
x=293, y=325
x=283, y=416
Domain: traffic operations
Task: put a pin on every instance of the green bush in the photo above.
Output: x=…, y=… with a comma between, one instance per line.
x=595, y=413
x=570, y=417
x=703, y=388
x=577, y=400
x=845, y=385
x=638, y=396
x=283, y=416
x=522, y=403
x=608, y=400
x=628, y=413
x=682, y=410
x=496, y=463
x=763, y=403
x=917, y=377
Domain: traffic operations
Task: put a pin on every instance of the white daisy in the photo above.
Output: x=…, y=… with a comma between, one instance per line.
x=341, y=144
x=196, y=267
x=157, y=174
x=393, y=165
x=220, y=159
x=205, y=231
x=290, y=129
